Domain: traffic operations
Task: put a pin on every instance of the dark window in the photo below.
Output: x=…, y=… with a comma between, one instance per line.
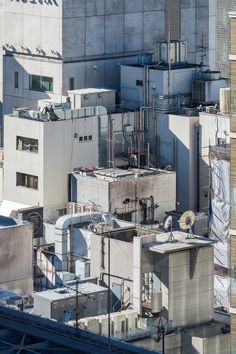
x=72, y=83
x=80, y=138
x=25, y=180
x=40, y=83
x=26, y=144
x=16, y=79
x=90, y=137
x=85, y=138
x=139, y=83
x=221, y=141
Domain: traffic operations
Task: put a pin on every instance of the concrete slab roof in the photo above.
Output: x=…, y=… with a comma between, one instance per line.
x=70, y=291
x=87, y=91
x=161, y=245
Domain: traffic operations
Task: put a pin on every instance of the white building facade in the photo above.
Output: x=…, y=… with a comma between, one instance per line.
x=39, y=154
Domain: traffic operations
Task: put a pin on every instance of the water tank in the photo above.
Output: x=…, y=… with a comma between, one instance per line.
x=172, y=52
x=156, y=302
x=225, y=100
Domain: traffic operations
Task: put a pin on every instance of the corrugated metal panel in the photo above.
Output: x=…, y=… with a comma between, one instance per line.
x=233, y=333
x=233, y=36
x=233, y=184
x=233, y=97
x=233, y=270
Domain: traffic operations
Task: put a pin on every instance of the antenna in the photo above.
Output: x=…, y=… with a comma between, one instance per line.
x=203, y=48
x=168, y=226
x=186, y=222
x=159, y=330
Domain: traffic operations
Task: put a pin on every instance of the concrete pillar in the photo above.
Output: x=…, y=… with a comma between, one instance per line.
x=137, y=274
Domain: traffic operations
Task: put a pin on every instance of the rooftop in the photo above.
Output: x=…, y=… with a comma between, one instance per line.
x=70, y=291
x=86, y=91
x=162, y=244
x=165, y=66
x=118, y=173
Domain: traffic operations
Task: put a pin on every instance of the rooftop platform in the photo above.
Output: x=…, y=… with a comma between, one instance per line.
x=163, y=246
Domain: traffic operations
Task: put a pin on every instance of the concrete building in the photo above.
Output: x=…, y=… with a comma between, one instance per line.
x=141, y=196
x=82, y=44
x=232, y=181
x=16, y=264
x=222, y=35
x=179, y=274
x=41, y=149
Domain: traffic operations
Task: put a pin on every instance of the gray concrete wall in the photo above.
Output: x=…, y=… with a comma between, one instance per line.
x=109, y=27
x=93, y=38
x=16, y=259
x=191, y=301
x=111, y=195
x=121, y=263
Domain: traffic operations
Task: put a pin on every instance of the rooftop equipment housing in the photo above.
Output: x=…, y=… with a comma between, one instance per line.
x=170, y=52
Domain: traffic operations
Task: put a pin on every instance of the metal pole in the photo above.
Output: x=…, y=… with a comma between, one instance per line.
x=163, y=340
x=77, y=305
x=109, y=292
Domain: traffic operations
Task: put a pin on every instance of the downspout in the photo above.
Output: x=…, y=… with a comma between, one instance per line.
x=198, y=165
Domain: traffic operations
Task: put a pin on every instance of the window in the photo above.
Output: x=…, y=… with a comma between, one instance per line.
x=139, y=83
x=40, y=83
x=221, y=141
x=26, y=144
x=28, y=181
x=16, y=79
x=85, y=138
x=72, y=83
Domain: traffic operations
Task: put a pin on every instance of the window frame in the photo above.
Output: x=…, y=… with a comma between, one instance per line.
x=27, y=181
x=16, y=79
x=38, y=83
x=31, y=143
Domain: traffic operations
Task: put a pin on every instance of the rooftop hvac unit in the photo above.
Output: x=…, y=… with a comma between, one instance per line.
x=93, y=325
x=89, y=111
x=119, y=322
x=131, y=320
x=172, y=52
x=71, y=208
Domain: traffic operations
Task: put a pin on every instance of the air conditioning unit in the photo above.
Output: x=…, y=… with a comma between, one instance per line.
x=71, y=208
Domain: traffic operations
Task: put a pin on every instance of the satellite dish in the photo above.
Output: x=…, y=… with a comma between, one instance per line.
x=187, y=221
x=167, y=227
x=168, y=223
x=159, y=328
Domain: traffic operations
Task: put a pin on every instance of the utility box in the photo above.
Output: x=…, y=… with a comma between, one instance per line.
x=60, y=303
x=93, y=97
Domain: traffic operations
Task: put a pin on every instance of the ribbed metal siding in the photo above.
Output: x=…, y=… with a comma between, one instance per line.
x=233, y=97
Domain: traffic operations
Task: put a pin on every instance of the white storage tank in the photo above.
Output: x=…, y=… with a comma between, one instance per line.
x=156, y=302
